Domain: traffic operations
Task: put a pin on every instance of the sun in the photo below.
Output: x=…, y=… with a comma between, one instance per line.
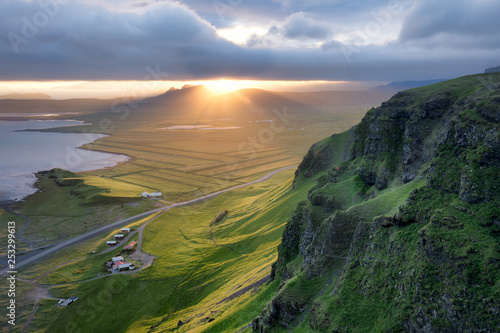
x=223, y=86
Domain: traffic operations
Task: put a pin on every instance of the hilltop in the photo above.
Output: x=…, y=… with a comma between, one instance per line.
x=401, y=231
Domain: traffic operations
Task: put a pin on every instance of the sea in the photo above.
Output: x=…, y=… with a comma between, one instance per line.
x=22, y=154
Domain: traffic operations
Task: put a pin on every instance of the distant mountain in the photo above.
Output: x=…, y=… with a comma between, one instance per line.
x=405, y=85
x=198, y=102
x=187, y=92
x=26, y=96
x=493, y=70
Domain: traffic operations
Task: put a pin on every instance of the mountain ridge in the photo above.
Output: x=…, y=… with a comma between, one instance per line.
x=396, y=86
x=401, y=231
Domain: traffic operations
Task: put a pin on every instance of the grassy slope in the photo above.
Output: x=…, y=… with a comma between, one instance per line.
x=442, y=259
x=191, y=273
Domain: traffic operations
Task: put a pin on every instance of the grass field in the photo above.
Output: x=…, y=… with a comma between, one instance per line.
x=183, y=163
x=197, y=274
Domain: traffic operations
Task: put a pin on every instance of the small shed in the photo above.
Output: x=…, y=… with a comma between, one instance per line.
x=125, y=230
x=125, y=266
x=118, y=236
x=110, y=243
x=130, y=246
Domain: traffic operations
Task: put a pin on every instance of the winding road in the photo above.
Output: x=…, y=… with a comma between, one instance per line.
x=59, y=246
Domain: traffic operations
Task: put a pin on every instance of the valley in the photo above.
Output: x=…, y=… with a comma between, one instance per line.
x=185, y=160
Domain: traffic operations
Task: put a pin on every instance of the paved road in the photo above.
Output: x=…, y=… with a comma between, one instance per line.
x=59, y=246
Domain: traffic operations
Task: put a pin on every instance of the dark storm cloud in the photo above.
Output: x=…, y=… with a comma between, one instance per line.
x=79, y=41
x=429, y=18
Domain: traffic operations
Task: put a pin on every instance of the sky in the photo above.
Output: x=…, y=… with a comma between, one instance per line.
x=74, y=45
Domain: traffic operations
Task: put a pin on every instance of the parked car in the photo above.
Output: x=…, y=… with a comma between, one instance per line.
x=73, y=298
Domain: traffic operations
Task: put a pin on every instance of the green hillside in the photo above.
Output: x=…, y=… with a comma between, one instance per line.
x=401, y=230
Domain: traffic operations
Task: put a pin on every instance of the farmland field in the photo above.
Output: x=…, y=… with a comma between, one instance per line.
x=187, y=142
x=184, y=163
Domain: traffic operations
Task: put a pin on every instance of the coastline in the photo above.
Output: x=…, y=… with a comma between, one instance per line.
x=9, y=203
x=130, y=159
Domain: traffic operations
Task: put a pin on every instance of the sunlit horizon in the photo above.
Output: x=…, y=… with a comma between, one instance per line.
x=114, y=89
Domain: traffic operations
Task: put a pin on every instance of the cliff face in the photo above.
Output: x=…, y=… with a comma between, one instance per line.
x=401, y=231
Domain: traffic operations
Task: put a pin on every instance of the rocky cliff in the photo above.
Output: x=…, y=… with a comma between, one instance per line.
x=401, y=231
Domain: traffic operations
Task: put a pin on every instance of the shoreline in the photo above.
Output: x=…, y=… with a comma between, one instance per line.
x=130, y=159
x=34, y=118
x=11, y=202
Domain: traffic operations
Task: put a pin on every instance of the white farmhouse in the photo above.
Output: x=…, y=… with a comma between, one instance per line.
x=116, y=259
x=150, y=195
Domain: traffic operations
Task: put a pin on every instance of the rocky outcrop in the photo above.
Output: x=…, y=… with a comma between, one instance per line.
x=402, y=232
x=321, y=155
x=492, y=70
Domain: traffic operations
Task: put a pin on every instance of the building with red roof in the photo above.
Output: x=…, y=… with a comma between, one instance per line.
x=130, y=246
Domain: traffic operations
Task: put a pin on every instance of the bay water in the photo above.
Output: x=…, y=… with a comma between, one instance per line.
x=22, y=154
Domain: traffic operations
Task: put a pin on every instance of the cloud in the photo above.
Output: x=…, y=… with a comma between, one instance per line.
x=299, y=30
x=430, y=18
x=225, y=13
x=302, y=26
x=103, y=41
x=85, y=40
